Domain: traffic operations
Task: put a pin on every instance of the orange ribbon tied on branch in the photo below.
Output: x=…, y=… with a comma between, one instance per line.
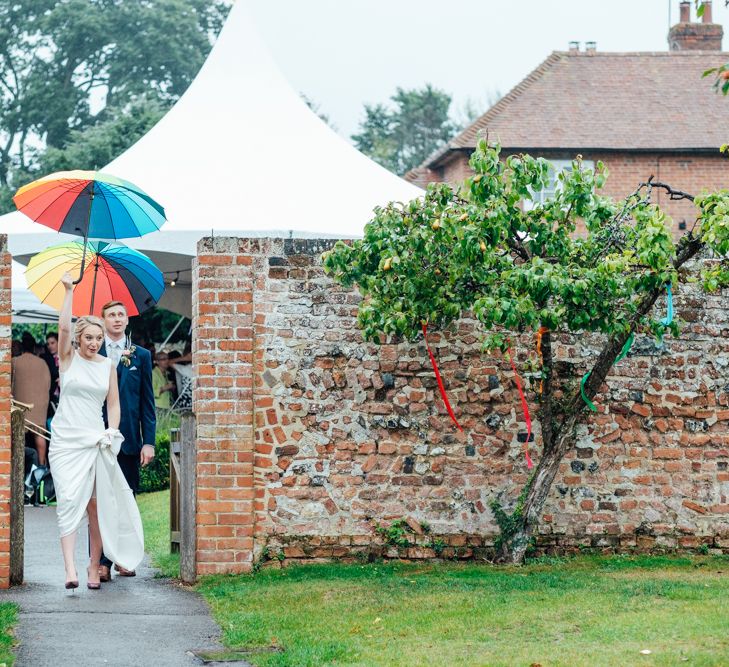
x=540, y=333
x=439, y=379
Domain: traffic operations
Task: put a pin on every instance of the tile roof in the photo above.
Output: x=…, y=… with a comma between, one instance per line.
x=614, y=101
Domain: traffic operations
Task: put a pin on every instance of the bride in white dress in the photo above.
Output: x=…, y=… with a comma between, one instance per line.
x=82, y=452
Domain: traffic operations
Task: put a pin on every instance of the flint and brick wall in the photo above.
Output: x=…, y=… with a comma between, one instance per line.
x=5, y=435
x=690, y=173
x=309, y=438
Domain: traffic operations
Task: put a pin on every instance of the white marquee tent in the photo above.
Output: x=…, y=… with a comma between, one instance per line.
x=239, y=154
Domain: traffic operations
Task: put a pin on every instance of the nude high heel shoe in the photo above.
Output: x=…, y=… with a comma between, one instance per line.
x=71, y=586
x=91, y=585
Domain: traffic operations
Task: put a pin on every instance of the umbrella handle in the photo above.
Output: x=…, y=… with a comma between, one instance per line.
x=83, y=264
x=86, y=236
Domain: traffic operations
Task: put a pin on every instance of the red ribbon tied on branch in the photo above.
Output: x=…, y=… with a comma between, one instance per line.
x=439, y=379
x=525, y=407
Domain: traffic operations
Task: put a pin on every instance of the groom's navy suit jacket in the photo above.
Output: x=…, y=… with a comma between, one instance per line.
x=136, y=399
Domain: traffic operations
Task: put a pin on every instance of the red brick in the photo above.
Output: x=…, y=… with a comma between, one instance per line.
x=694, y=506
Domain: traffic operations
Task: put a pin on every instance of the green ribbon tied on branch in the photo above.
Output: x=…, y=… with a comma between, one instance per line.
x=623, y=352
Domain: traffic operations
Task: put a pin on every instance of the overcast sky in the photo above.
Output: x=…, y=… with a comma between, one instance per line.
x=344, y=53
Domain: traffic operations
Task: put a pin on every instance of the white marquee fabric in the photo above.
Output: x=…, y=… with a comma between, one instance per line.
x=27, y=307
x=241, y=154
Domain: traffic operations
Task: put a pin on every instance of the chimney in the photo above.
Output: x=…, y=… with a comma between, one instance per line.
x=688, y=36
x=590, y=47
x=706, y=18
x=574, y=47
x=685, y=11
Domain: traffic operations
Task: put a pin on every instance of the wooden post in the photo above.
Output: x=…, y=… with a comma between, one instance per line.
x=188, y=498
x=174, y=490
x=17, y=491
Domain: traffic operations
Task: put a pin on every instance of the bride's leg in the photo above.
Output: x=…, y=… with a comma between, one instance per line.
x=68, y=547
x=95, y=542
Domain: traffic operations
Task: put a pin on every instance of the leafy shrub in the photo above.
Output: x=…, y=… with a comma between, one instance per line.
x=156, y=476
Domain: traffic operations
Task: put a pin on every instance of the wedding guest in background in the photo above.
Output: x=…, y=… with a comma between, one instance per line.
x=50, y=356
x=161, y=382
x=172, y=357
x=31, y=383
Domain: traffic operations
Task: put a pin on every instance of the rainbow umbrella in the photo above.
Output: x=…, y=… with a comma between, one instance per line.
x=113, y=273
x=90, y=204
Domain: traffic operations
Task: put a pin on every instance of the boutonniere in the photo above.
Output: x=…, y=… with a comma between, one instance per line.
x=127, y=353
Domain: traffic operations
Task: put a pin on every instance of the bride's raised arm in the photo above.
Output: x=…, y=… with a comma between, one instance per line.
x=65, y=327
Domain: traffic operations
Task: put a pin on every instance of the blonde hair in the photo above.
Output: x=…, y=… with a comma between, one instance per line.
x=83, y=323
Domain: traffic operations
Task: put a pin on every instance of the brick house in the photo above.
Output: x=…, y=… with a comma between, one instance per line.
x=641, y=114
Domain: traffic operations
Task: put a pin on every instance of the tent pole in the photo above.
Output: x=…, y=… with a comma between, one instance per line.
x=167, y=340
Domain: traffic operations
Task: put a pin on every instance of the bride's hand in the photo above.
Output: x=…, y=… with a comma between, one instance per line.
x=67, y=280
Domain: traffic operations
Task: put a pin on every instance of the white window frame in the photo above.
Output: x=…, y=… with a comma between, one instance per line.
x=556, y=168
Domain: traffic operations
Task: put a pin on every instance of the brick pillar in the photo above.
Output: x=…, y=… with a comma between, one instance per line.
x=222, y=344
x=5, y=432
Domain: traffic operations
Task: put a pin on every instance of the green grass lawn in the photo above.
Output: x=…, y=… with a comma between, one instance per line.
x=8, y=618
x=155, y=511
x=581, y=611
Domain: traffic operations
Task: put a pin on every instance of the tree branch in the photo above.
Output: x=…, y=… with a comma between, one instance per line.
x=688, y=247
x=547, y=391
x=673, y=194
x=515, y=243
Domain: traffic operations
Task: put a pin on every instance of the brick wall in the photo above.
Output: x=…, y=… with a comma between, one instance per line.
x=5, y=319
x=333, y=436
x=688, y=173
x=222, y=310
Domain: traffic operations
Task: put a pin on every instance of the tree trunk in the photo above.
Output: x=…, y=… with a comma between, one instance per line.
x=515, y=547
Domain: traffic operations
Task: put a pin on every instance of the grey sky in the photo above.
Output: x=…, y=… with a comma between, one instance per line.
x=343, y=53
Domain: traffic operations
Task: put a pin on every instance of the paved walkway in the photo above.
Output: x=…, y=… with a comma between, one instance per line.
x=130, y=621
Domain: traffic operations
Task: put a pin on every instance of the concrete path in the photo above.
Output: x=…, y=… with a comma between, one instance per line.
x=130, y=621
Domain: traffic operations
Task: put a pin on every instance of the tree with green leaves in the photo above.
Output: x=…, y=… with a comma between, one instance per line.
x=402, y=136
x=520, y=269
x=68, y=65
x=99, y=144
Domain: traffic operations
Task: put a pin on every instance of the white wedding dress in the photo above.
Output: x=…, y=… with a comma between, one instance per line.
x=82, y=455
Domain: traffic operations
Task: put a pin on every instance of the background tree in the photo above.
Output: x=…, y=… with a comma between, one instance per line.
x=474, y=107
x=316, y=108
x=403, y=136
x=517, y=271
x=66, y=66
x=99, y=144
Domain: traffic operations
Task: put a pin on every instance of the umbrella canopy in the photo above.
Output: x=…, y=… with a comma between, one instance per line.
x=112, y=273
x=90, y=204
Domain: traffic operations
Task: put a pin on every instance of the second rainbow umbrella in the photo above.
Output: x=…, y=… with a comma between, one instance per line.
x=112, y=273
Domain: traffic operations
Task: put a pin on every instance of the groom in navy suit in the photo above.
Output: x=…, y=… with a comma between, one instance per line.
x=136, y=396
